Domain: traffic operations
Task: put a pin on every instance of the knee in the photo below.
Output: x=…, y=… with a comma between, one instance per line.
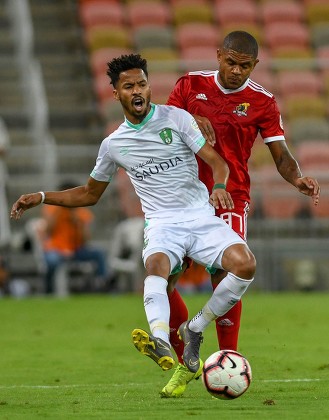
x=158, y=264
x=240, y=261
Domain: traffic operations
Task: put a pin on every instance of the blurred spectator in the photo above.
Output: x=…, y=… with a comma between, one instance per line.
x=65, y=238
x=127, y=239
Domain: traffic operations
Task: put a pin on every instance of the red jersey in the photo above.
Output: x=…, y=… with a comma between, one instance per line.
x=237, y=117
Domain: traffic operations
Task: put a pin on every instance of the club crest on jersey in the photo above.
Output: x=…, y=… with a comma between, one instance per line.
x=166, y=135
x=241, y=109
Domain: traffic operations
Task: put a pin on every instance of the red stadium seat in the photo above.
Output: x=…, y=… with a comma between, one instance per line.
x=99, y=58
x=141, y=13
x=196, y=34
x=313, y=154
x=236, y=12
x=299, y=81
x=286, y=34
x=162, y=84
x=199, y=58
x=278, y=11
x=278, y=199
x=266, y=78
x=101, y=12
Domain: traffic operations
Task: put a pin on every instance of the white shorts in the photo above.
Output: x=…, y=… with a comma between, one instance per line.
x=203, y=240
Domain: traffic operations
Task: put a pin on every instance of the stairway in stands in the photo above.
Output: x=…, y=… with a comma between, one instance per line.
x=74, y=121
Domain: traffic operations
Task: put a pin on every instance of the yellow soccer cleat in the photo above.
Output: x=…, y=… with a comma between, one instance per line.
x=178, y=382
x=153, y=347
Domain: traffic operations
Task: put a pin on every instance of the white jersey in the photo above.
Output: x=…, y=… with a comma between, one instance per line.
x=159, y=156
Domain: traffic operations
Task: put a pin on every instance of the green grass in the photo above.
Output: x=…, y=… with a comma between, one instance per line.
x=73, y=358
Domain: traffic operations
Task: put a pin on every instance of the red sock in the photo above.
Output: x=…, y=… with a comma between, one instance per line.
x=228, y=327
x=178, y=315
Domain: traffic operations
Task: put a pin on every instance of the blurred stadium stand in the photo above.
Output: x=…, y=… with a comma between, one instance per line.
x=57, y=102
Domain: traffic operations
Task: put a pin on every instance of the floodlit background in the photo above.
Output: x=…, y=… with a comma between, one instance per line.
x=56, y=106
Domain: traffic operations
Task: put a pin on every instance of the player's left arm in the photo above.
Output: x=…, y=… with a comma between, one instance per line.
x=220, y=171
x=289, y=169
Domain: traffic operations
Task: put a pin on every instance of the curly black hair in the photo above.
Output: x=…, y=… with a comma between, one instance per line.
x=124, y=63
x=241, y=42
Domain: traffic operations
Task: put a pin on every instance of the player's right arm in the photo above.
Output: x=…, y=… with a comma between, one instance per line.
x=220, y=170
x=81, y=196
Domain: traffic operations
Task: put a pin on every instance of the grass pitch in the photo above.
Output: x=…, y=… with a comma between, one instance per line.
x=74, y=359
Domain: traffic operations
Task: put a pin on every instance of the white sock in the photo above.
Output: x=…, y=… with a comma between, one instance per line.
x=225, y=296
x=156, y=305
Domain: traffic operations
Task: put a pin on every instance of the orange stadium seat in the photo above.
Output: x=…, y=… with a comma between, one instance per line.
x=141, y=13
x=195, y=34
x=236, y=12
x=101, y=12
x=278, y=11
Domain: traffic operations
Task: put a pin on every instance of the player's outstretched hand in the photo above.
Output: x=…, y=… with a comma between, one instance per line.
x=206, y=129
x=25, y=202
x=221, y=198
x=309, y=186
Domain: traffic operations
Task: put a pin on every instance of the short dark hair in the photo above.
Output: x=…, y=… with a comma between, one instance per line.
x=124, y=63
x=242, y=42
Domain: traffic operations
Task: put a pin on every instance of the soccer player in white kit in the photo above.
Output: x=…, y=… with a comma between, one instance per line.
x=156, y=145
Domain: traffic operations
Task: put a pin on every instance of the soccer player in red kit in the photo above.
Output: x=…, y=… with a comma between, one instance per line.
x=231, y=109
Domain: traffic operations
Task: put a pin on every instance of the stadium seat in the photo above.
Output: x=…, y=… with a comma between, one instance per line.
x=154, y=36
x=317, y=13
x=313, y=154
x=320, y=35
x=278, y=11
x=101, y=12
x=298, y=105
x=305, y=128
x=103, y=88
x=278, y=199
x=255, y=29
x=237, y=11
x=99, y=58
x=103, y=36
x=141, y=13
x=195, y=34
x=299, y=82
x=192, y=11
x=198, y=58
x=161, y=59
x=266, y=78
x=286, y=34
x=162, y=84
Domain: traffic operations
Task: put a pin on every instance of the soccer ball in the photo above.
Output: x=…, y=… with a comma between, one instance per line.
x=226, y=374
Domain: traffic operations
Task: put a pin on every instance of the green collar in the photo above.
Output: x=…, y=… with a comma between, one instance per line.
x=145, y=120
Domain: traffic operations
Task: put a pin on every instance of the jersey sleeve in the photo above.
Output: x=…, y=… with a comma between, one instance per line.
x=179, y=94
x=105, y=167
x=271, y=128
x=189, y=130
